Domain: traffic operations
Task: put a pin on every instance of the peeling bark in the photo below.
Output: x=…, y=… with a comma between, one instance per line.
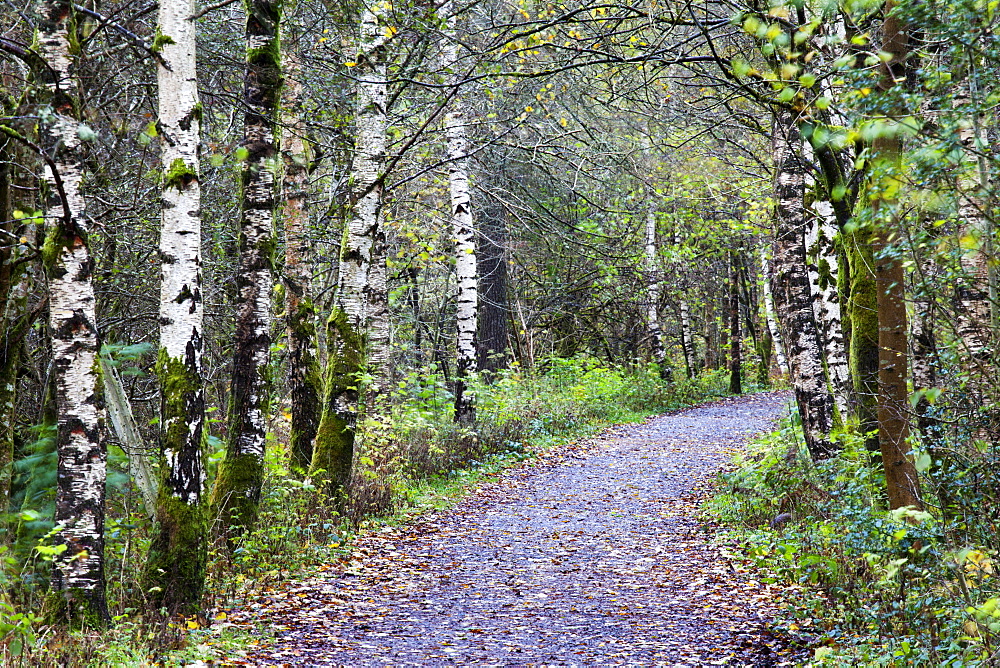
x=769, y=317
x=976, y=294
x=236, y=497
x=123, y=423
x=175, y=569
x=790, y=290
x=77, y=573
x=687, y=336
x=823, y=272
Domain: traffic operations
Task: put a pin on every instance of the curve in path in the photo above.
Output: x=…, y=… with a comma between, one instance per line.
x=594, y=555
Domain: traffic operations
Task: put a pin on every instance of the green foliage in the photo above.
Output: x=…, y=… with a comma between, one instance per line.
x=874, y=588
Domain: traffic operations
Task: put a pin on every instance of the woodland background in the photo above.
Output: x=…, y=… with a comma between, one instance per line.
x=269, y=269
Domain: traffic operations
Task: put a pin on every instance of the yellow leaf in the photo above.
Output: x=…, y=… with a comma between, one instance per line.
x=350, y=63
x=979, y=561
x=221, y=616
x=563, y=122
x=193, y=624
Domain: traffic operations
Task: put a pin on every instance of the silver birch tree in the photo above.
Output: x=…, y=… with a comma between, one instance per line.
x=651, y=265
x=823, y=270
x=791, y=293
x=466, y=270
x=175, y=570
x=78, y=571
x=357, y=329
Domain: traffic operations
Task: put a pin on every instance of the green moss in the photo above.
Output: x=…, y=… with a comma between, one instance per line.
x=862, y=310
x=178, y=553
x=76, y=608
x=305, y=399
x=334, y=447
x=180, y=174
x=177, y=384
x=53, y=245
x=198, y=111
x=237, y=510
x=160, y=40
x=175, y=569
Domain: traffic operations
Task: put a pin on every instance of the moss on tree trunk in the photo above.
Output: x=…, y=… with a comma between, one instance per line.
x=175, y=568
x=333, y=450
x=862, y=311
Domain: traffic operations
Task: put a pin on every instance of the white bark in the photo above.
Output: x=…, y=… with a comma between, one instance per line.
x=791, y=290
x=687, y=336
x=361, y=291
x=823, y=270
x=181, y=308
x=651, y=263
x=79, y=571
x=977, y=290
x=466, y=269
x=179, y=125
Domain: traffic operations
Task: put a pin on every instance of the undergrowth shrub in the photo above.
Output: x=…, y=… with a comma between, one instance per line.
x=870, y=587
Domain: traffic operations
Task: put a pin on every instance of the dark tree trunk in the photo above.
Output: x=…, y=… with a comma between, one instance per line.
x=735, y=336
x=493, y=310
x=237, y=488
x=893, y=401
x=304, y=376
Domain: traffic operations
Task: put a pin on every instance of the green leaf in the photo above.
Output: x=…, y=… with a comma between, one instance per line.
x=922, y=462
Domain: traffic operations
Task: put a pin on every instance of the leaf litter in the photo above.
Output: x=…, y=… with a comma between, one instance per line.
x=595, y=553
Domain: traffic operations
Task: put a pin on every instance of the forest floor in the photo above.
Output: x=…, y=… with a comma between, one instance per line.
x=595, y=553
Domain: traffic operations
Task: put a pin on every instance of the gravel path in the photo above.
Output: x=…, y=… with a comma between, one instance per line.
x=593, y=555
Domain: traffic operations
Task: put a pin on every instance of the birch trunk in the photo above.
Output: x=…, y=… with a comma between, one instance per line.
x=687, y=336
x=790, y=290
x=823, y=272
x=357, y=330
x=466, y=270
x=893, y=402
x=304, y=380
x=653, y=277
x=175, y=570
x=975, y=303
x=236, y=496
x=77, y=573
x=493, y=309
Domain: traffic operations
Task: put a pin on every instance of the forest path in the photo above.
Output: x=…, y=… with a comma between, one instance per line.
x=594, y=554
